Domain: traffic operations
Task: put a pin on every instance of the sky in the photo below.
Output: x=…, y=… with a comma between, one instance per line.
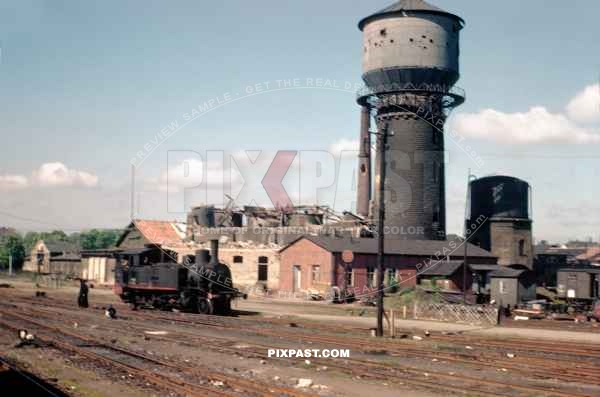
x=88, y=88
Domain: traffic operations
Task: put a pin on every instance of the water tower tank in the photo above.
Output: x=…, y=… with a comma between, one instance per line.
x=500, y=219
x=410, y=66
x=413, y=42
x=499, y=197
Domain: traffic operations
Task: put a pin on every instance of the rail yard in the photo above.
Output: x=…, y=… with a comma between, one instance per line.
x=183, y=354
x=305, y=202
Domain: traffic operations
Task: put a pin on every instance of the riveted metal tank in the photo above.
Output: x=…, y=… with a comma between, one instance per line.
x=499, y=197
x=499, y=219
x=410, y=64
x=411, y=41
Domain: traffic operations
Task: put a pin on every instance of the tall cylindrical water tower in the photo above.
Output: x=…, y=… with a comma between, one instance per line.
x=410, y=64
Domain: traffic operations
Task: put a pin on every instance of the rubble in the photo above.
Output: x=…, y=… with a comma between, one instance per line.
x=304, y=382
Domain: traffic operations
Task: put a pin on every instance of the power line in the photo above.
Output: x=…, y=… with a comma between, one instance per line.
x=55, y=225
x=540, y=156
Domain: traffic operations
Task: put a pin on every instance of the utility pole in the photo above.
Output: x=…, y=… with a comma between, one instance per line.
x=132, y=199
x=380, y=227
x=466, y=242
x=10, y=262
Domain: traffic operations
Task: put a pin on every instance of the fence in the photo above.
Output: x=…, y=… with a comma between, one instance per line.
x=463, y=314
x=51, y=280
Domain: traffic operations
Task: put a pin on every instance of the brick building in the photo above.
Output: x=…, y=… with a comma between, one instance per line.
x=252, y=265
x=315, y=262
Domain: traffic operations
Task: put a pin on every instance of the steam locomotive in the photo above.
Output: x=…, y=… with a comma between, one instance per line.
x=151, y=277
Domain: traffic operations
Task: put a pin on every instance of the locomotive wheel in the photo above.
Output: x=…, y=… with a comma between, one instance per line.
x=225, y=307
x=205, y=306
x=133, y=304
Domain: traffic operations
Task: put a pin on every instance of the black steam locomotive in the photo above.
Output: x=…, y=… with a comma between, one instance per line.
x=151, y=277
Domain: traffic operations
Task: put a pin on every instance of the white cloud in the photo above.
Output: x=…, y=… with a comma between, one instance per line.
x=57, y=174
x=49, y=175
x=188, y=173
x=537, y=125
x=11, y=182
x=191, y=173
x=585, y=107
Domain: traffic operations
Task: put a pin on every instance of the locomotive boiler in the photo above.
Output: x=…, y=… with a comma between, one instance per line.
x=151, y=277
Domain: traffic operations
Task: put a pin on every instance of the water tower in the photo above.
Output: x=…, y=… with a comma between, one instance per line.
x=410, y=65
x=499, y=219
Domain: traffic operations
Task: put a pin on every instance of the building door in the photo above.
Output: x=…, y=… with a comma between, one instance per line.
x=297, y=282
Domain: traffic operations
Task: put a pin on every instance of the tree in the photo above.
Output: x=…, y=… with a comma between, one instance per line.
x=98, y=239
x=12, y=245
x=33, y=237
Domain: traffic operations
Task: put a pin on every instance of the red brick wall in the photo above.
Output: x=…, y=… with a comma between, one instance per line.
x=304, y=253
x=404, y=266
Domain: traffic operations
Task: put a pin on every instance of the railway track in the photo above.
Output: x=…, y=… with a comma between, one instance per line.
x=121, y=358
x=496, y=358
x=411, y=375
x=531, y=345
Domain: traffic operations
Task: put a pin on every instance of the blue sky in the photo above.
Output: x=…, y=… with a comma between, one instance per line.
x=87, y=84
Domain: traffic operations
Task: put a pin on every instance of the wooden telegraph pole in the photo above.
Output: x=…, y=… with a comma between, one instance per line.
x=380, y=227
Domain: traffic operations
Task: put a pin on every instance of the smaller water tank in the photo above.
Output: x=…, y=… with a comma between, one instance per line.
x=499, y=197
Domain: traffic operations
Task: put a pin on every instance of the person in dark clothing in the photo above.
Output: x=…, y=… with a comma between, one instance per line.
x=83, y=294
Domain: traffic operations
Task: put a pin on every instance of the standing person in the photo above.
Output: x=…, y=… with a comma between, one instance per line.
x=83, y=294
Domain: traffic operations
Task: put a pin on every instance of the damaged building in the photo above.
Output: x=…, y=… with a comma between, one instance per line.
x=252, y=237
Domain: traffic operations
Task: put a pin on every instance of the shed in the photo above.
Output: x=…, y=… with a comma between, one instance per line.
x=482, y=282
x=446, y=276
x=511, y=286
x=578, y=283
x=54, y=257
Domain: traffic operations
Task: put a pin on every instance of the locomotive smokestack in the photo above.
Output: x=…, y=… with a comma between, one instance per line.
x=202, y=258
x=364, y=164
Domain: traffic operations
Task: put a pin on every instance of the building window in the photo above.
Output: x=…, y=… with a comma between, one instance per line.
x=349, y=277
x=238, y=259
x=391, y=276
x=316, y=273
x=371, y=281
x=263, y=268
x=522, y=248
x=263, y=272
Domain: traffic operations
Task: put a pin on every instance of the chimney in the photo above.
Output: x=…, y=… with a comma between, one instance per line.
x=364, y=164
